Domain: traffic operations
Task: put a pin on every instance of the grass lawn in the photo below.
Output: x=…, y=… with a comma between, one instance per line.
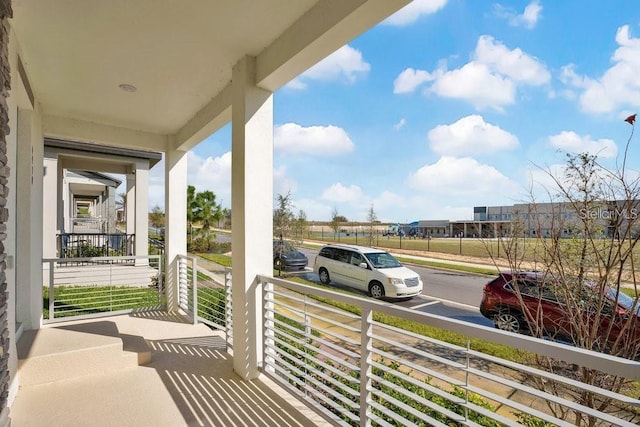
x=81, y=300
x=482, y=248
x=223, y=260
x=530, y=249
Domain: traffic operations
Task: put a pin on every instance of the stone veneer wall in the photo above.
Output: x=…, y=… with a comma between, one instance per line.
x=5, y=85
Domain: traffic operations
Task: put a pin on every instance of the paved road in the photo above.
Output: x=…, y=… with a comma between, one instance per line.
x=452, y=294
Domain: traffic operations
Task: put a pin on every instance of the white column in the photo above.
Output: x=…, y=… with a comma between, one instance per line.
x=175, y=208
x=100, y=211
x=142, y=209
x=63, y=200
x=252, y=210
x=50, y=200
x=29, y=219
x=130, y=208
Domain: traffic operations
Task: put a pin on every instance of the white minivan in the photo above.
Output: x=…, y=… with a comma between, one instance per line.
x=368, y=269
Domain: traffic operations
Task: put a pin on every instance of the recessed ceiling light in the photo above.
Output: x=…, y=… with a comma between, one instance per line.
x=127, y=87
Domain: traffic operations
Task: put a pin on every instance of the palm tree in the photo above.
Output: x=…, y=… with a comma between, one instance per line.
x=204, y=210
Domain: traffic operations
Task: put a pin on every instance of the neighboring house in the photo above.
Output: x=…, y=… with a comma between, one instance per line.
x=91, y=198
x=76, y=182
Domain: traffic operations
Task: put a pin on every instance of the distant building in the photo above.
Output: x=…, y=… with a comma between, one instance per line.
x=538, y=220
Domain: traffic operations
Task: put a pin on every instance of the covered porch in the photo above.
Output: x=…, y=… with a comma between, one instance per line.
x=161, y=76
x=157, y=77
x=188, y=378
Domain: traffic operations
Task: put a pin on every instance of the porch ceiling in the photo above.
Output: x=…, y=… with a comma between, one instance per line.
x=178, y=54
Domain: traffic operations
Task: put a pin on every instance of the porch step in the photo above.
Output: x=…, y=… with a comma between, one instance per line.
x=57, y=353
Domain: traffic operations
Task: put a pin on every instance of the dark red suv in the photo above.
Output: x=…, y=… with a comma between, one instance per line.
x=527, y=302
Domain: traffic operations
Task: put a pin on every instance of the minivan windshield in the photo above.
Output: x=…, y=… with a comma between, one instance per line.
x=382, y=260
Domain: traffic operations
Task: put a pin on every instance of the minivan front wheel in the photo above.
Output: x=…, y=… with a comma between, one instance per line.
x=324, y=276
x=376, y=290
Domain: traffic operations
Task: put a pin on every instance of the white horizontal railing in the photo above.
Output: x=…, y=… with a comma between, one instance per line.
x=354, y=361
x=92, y=287
x=205, y=296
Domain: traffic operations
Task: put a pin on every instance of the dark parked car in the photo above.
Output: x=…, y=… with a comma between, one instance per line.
x=287, y=257
x=618, y=316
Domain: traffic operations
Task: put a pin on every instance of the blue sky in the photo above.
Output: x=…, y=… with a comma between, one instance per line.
x=447, y=105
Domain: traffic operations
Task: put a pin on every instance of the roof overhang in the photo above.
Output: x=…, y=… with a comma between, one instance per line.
x=82, y=59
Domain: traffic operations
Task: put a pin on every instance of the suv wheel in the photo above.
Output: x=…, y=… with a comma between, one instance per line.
x=324, y=276
x=508, y=321
x=376, y=290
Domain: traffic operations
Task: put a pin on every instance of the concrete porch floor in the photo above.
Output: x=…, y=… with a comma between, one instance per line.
x=189, y=382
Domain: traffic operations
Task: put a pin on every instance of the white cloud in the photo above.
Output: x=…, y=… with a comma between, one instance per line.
x=470, y=135
x=453, y=177
x=211, y=173
x=573, y=143
x=282, y=183
x=340, y=193
x=531, y=14
x=400, y=124
x=542, y=182
x=569, y=76
x=408, y=80
x=515, y=64
x=413, y=11
x=315, y=210
x=344, y=64
x=156, y=185
x=385, y=200
x=291, y=138
x=528, y=19
x=478, y=85
x=618, y=86
x=489, y=80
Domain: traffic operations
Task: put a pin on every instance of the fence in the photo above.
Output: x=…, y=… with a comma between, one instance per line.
x=205, y=296
x=357, y=362
x=92, y=287
x=87, y=245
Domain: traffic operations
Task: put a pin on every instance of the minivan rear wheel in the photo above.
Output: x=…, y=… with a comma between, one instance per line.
x=376, y=290
x=324, y=276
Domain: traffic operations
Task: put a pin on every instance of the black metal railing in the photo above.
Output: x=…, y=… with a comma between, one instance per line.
x=87, y=245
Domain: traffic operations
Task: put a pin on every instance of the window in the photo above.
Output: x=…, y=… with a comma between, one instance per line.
x=342, y=255
x=356, y=259
x=328, y=253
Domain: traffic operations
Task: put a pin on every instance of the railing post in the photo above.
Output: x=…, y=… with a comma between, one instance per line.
x=194, y=269
x=161, y=289
x=52, y=298
x=228, y=328
x=307, y=339
x=182, y=284
x=466, y=379
x=268, y=359
x=366, y=342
